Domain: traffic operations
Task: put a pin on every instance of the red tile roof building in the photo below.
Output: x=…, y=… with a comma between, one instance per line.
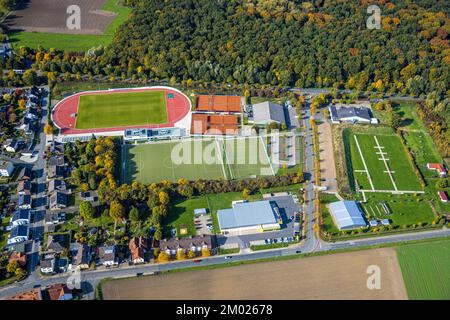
x=443, y=196
x=438, y=167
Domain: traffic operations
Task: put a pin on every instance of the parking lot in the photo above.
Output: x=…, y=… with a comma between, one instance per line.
x=203, y=224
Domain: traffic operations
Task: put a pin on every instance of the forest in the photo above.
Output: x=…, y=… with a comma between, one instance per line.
x=277, y=43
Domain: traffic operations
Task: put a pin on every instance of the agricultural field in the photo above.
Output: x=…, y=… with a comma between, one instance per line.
x=425, y=269
x=379, y=162
x=42, y=23
x=337, y=276
x=121, y=109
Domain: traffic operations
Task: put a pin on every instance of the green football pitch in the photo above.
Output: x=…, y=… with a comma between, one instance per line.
x=379, y=162
x=193, y=159
x=120, y=109
x=425, y=270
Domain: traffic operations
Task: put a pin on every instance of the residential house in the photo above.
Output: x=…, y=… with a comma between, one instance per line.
x=24, y=187
x=20, y=257
x=443, y=196
x=56, y=185
x=54, y=217
x=48, y=264
x=13, y=145
x=18, y=234
x=54, y=171
x=439, y=168
x=195, y=244
x=21, y=217
x=56, y=243
x=107, y=256
x=56, y=148
x=24, y=202
x=6, y=168
x=57, y=200
x=25, y=174
x=138, y=247
x=90, y=196
x=82, y=257
x=59, y=292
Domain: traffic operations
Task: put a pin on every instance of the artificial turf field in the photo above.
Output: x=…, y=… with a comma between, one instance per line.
x=425, y=269
x=210, y=158
x=119, y=109
x=365, y=153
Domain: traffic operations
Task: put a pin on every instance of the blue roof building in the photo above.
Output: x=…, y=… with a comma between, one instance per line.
x=248, y=217
x=347, y=215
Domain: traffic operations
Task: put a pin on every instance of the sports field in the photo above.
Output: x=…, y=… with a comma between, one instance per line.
x=425, y=269
x=121, y=109
x=207, y=158
x=379, y=163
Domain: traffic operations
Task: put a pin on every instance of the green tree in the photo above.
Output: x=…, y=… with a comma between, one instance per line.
x=134, y=214
x=87, y=211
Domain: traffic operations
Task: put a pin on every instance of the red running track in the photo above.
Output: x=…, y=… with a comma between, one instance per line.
x=177, y=108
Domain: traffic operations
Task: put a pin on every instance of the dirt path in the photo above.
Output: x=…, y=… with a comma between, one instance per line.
x=328, y=169
x=336, y=276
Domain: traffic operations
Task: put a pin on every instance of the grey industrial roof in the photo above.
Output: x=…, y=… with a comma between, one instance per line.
x=347, y=215
x=268, y=111
x=247, y=214
x=348, y=112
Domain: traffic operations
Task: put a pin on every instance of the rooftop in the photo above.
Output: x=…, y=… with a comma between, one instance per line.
x=347, y=215
x=247, y=214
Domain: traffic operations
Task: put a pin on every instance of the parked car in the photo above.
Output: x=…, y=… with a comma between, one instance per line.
x=197, y=260
x=228, y=257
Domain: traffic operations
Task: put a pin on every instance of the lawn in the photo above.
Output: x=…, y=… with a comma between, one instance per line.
x=154, y=162
x=396, y=158
x=121, y=109
x=73, y=42
x=328, y=225
x=425, y=269
x=182, y=215
x=406, y=209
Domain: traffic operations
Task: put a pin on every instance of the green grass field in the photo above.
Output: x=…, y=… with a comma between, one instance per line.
x=148, y=163
x=73, y=42
x=247, y=158
x=208, y=158
x=396, y=159
x=406, y=210
x=121, y=109
x=425, y=269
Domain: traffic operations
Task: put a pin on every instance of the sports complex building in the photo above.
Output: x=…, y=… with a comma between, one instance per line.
x=347, y=215
x=249, y=217
x=114, y=111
